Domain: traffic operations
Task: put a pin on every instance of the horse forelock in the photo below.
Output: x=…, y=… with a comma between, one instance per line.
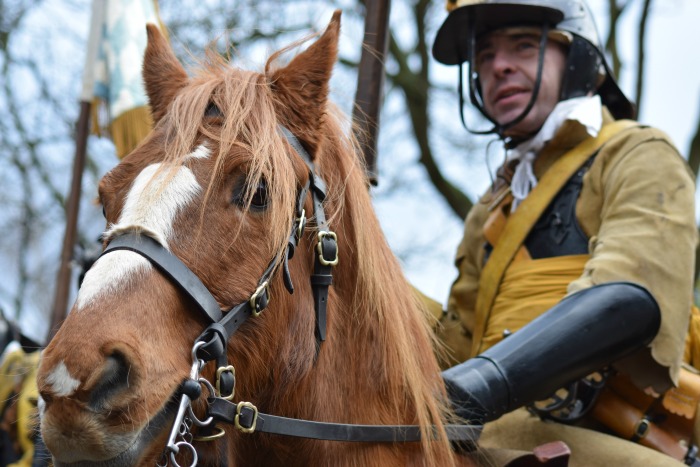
x=246, y=136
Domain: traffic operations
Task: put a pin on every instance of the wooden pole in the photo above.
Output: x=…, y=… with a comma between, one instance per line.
x=63, y=280
x=65, y=270
x=370, y=82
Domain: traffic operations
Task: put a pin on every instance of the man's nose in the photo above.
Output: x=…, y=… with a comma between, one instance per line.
x=503, y=63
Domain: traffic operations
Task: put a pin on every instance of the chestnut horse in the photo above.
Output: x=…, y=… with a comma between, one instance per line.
x=216, y=184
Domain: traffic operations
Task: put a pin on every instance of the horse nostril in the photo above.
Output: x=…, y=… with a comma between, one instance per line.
x=114, y=379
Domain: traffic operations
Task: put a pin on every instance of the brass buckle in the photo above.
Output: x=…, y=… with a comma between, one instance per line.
x=302, y=223
x=236, y=420
x=219, y=371
x=319, y=248
x=255, y=296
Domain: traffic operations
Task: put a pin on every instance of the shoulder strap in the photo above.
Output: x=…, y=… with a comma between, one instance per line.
x=524, y=218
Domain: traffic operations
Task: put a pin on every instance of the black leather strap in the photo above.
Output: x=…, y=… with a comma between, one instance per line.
x=171, y=266
x=327, y=249
x=225, y=411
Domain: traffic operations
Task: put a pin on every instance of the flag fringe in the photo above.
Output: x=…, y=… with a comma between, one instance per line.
x=130, y=128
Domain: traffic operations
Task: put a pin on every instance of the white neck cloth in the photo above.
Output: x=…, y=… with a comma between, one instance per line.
x=585, y=110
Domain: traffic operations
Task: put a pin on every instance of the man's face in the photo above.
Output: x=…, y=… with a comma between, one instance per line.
x=506, y=61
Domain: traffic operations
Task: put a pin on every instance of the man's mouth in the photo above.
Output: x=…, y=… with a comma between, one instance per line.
x=509, y=92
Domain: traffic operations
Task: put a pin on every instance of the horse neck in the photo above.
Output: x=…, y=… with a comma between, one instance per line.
x=378, y=340
x=377, y=364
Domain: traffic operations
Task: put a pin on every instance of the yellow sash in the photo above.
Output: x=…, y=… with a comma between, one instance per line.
x=528, y=289
x=523, y=219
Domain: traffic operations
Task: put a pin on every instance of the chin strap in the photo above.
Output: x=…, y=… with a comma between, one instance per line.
x=246, y=418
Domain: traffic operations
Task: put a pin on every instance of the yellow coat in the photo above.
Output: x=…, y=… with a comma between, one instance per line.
x=637, y=207
x=18, y=387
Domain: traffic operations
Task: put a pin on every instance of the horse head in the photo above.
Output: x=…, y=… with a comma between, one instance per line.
x=220, y=185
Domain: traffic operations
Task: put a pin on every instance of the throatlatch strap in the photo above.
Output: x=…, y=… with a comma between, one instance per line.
x=248, y=419
x=521, y=221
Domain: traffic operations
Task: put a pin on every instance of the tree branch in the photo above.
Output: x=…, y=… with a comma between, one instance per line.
x=416, y=88
x=614, y=12
x=642, y=31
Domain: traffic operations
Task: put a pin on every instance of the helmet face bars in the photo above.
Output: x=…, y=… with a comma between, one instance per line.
x=566, y=21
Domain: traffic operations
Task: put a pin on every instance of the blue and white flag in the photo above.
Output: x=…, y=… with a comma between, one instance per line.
x=112, y=75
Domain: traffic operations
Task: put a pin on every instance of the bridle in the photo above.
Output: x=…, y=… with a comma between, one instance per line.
x=212, y=343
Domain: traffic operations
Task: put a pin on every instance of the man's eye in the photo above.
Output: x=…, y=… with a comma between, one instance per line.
x=527, y=45
x=484, y=57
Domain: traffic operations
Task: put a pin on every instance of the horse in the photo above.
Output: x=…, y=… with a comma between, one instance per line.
x=219, y=185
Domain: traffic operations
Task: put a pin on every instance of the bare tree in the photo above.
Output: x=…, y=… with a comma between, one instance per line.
x=41, y=53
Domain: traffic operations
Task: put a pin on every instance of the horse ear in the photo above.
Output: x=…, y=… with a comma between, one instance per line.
x=302, y=86
x=163, y=74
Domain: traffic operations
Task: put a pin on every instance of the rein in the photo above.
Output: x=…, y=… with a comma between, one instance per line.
x=212, y=343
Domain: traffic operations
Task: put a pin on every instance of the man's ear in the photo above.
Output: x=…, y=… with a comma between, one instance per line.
x=163, y=75
x=302, y=86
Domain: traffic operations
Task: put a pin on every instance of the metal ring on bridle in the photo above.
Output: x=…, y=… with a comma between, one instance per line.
x=176, y=451
x=197, y=345
x=197, y=421
x=190, y=411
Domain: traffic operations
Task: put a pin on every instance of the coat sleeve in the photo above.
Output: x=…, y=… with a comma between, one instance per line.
x=638, y=208
x=462, y=299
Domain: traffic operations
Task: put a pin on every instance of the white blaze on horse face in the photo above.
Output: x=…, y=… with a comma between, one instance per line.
x=61, y=382
x=154, y=200
x=151, y=205
x=109, y=274
x=202, y=152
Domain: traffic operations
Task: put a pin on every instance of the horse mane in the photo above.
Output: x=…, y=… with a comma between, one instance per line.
x=247, y=104
x=376, y=297
x=380, y=290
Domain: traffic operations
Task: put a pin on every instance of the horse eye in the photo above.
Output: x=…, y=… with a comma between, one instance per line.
x=259, y=200
x=213, y=110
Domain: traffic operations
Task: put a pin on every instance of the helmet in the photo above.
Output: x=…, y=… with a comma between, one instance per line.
x=568, y=21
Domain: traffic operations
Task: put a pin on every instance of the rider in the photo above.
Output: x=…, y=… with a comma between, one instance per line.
x=577, y=264
x=20, y=444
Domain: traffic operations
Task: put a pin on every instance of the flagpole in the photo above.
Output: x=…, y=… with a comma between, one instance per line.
x=370, y=82
x=65, y=270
